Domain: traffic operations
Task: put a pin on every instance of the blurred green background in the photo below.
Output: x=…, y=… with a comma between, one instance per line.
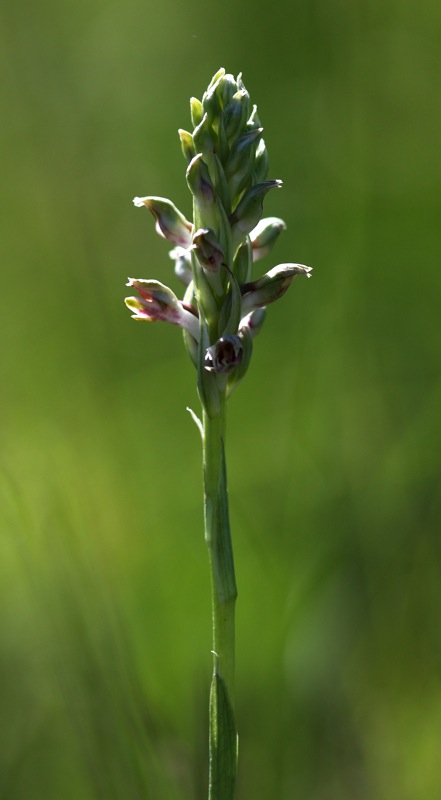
x=334, y=438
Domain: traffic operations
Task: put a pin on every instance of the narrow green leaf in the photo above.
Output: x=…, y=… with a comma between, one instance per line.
x=223, y=742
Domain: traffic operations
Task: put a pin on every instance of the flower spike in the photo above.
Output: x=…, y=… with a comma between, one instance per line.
x=213, y=255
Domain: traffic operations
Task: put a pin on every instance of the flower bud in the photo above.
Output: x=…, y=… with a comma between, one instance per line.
x=264, y=236
x=253, y=322
x=158, y=303
x=182, y=258
x=208, y=250
x=196, y=111
x=231, y=310
x=271, y=286
x=226, y=88
x=239, y=166
x=202, y=138
x=222, y=145
x=211, y=101
x=202, y=189
x=245, y=100
x=241, y=151
x=225, y=355
x=249, y=211
x=187, y=144
x=233, y=115
x=170, y=223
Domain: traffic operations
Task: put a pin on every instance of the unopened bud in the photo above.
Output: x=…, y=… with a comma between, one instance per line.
x=264, y=236
x=202, y=189
x=170, y=223
x=210, y=100
x=196, y=111
x=233, y=115
x=226, y=88
x=182, y=258
x=239, y=166
x=202, y=137
x=241, y=151
x=253, y=321
x=187, y=144
x=249, y=211
x=208, y=250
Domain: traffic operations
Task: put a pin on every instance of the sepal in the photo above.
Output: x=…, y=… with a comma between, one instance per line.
x=240, y=164
x=233, y=115
x=210, y=100
x=170, y=223
x=264, y=236
x=271, y=286
x=202, y=189
x=261, y=162
x=203, y=139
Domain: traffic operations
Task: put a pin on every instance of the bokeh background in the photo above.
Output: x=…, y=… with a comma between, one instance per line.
x=334, y=438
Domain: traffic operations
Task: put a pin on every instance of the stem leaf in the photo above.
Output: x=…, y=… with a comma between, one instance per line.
x=223, y=742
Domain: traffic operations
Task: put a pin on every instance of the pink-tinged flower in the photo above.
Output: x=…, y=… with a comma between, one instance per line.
x=157, y=302
x=270, y=286
x=208, y=250
x=252, y=322
x=264, y=236
x=170, y=223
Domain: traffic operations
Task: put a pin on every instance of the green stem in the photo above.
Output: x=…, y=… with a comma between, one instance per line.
x=222, y=736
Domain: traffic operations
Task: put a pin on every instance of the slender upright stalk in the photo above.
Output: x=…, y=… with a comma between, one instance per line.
x=222, y=733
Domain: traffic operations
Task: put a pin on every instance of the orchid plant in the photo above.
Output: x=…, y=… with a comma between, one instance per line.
x=222, y=310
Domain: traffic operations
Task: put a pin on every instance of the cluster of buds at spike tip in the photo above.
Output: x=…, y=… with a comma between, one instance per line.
x=223, y=307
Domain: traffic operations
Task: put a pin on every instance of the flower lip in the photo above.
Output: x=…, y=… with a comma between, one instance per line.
x=224, y=355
